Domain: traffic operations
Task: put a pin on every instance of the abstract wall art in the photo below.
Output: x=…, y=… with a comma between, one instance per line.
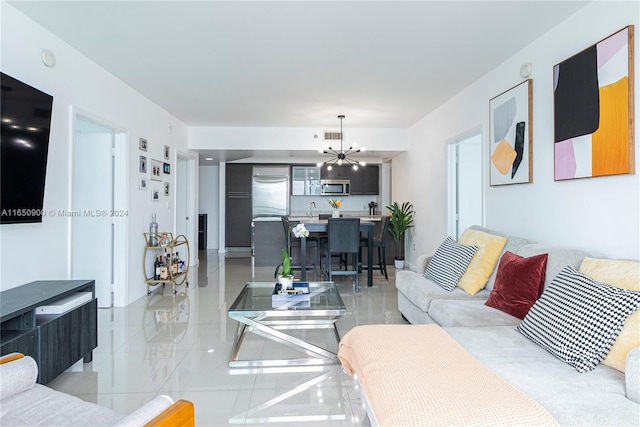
x=594, y=110
x=510, y=139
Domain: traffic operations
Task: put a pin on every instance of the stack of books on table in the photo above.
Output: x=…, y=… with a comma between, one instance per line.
x=299, y=295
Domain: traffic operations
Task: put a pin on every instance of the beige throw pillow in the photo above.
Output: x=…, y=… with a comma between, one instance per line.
x=483, y=262
x=626, y=275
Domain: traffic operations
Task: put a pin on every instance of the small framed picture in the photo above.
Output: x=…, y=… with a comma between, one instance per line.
x=156, y=170
x=155, y=195
x=143, y=184
x=167, y=168
x=142, y=144
x=166, y=152
x=143, y=164
x=166, y=188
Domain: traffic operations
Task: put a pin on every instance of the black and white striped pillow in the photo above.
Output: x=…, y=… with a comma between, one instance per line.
x=449, y=263
x=578, y=319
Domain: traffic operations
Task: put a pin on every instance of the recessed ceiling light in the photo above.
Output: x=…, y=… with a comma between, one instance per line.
x=208, y=158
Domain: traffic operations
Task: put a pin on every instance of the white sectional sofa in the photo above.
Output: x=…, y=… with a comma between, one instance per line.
x=606, y=395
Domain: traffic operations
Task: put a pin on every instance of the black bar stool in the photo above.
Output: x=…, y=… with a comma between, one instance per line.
x=380, y=242
x=344, y=238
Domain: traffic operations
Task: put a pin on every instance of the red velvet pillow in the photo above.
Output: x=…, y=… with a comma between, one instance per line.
x=519, y=283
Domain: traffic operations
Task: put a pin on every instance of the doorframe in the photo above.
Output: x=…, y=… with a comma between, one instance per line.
x=452, y=177
x=120, y=200
x=192, y=207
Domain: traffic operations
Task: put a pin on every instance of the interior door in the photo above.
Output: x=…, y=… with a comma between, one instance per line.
x=465, y=184
x=92, y=200
x=469, y=182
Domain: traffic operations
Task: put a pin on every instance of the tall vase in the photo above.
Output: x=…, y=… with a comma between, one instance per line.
x=335, y=213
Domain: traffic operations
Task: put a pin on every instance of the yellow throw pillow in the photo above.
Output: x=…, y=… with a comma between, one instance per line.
x=626, y=275
x=483, y=262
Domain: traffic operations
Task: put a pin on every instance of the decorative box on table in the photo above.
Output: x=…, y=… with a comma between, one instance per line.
x=299, y=295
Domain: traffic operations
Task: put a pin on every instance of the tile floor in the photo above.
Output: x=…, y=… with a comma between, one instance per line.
x=180, y=345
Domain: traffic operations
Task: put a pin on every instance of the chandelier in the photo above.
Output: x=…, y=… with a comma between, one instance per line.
x=340, y=157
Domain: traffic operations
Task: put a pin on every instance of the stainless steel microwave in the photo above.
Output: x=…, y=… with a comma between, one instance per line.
x=335, y=187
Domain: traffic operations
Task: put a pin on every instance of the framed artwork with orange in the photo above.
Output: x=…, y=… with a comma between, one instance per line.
x=511, y=136
x=593, y=110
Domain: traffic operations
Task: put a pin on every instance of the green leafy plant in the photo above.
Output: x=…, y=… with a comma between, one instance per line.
x=285, y=265
x=401, y=221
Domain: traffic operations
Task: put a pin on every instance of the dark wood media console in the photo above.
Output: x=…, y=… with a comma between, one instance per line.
x=55, y=341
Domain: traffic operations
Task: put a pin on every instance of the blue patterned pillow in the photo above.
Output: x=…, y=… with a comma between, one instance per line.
x=449, y=263
x=578, y=319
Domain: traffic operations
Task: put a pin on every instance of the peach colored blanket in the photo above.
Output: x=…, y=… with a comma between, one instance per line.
x=417, y=375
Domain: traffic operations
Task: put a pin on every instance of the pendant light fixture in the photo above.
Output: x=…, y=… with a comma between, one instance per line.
x=341, y=157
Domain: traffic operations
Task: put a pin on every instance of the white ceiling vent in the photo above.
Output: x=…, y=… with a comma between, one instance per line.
x=333, y=136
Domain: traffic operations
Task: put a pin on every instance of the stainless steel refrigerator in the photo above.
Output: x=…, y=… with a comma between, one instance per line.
x=270, y=191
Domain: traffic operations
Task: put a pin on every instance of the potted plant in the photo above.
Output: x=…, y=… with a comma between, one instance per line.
x=401, y=221
x=335, y=205
x=286, y=277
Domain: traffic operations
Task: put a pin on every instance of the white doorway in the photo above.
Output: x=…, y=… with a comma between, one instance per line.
x=464, y=183
x=98, y=203
x=185, y=213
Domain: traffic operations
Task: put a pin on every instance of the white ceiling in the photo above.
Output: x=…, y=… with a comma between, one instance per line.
x=298, y=63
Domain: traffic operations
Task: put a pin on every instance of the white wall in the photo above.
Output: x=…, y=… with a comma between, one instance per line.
x=597, y=214
x=280, y=145
x=41, y=251
x=209, y=191
x=267, y=138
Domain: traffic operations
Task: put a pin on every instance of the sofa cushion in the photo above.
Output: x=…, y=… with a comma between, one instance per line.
x=632, y=375
x=421, y=291
x=519, y=283
x=578, y=319
x=484, y=261
x=513, y=244
x=42, y=406
x=449, y=263
x=574, y=399
x=626, y=275
x=558, y=258
x=468, y=313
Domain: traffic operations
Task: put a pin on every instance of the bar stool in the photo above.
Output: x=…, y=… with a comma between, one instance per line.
x=344, y=238
x=323, y=240
x=380, y=242
x=312, y=242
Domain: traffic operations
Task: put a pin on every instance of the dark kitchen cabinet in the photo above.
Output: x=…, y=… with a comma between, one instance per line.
x=371, y=180
x=238, y=205
x=336, y=172
x=365, y=181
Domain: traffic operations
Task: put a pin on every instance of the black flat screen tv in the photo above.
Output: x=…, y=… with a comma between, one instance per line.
x=24, y=141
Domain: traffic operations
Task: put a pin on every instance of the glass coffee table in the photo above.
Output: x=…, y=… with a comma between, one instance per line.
x=256, y=313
